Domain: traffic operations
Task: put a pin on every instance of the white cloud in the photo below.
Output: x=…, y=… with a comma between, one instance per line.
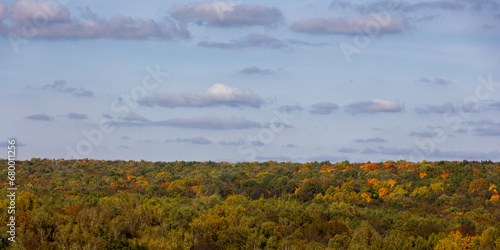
x=375, y=105
x=224, y=14
x=217, y=95
x=52, y=21
x=323, y=108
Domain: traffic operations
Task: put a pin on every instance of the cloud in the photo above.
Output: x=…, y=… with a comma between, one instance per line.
x=133, y=117
x=39, y=117
x=495, y=105
x=217, y=95
x=428, y=134
x=392, y=5
x=232, y=143
x=196, y=140
x=373, y=23
x=374, y=139
x=347, y=150
x=375, y=105
x=437, y=81
x=389, y=151
x=60, y=24
x=290, y=108
x=75, y=116
x=485, y=128
x=323, y=108
x=289, y=145
x=444, y=108
x=60, y=86
x=5, y=144
x=205, y=122
x=255, y=70
x=3, y=9
x=125, y=137
x=200, y=140
x=250, y=41
x=225, y=14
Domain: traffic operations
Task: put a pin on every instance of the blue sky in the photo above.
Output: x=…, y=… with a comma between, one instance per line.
x=251, y=80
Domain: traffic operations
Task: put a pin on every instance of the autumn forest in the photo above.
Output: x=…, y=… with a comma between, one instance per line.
x=93, y=204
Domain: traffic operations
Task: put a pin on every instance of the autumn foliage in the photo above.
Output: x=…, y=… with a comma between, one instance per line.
x=95, y=204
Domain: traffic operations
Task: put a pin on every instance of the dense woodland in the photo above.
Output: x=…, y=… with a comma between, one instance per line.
x=93, y=204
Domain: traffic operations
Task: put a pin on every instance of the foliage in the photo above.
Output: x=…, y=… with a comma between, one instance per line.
x=93, y=204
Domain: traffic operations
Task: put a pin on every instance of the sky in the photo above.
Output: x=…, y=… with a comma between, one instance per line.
x=255, y=80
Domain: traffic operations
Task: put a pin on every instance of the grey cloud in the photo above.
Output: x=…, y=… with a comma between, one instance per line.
x=76, y=116
x=196, y=140
x=60, y=86
x=217, y=95
x=40, y=117
x=485, y=128
x=3, y=9
x=60, y=24
x=255, y=70
x=290, y=108
x=351, y=25
x=393, y=5
x=428, y=134
x=374, y=139
x=200, y=140
x=250, y=41
x=495, y=105
x=289, y=145
x=5, y=144
x=444, y=108
x=375, y=105
x=323, y=108
x=133, y=117
x=388, y=151
x=437, y=81
x=108, y=116
x=347, y=150
x=232, y=143
x=225, y=14
x=125, y=137
x=209, y=123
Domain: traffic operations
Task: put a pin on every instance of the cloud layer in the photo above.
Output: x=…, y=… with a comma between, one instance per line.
x=374, y=106
x=225, y=14
x=250, y=41
x=373, y=23
x=323, y=108
x=51, y=21
x=217, y=95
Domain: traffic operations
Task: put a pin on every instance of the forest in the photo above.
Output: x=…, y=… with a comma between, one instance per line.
x=95, y=204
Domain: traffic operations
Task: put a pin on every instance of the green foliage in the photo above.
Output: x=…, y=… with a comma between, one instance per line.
x=89, y=204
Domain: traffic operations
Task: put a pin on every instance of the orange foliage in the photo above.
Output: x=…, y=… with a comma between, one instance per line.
x=296, y=190
x=444, y=174
x=392, y=182
x=494, y=197
x=475, y=170
x=326, y=169
x=372, y=181
x=366, y=196
x=303, y=169
x=422, y=175
x=383, y=192
x=129, y=176
x=370, y=166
